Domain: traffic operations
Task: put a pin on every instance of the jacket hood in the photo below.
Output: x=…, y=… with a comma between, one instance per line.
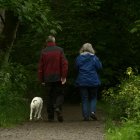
x=86, y=56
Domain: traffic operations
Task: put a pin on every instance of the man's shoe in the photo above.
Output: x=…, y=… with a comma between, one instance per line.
x=60, y=118
x=59, y=115
x=93, y=117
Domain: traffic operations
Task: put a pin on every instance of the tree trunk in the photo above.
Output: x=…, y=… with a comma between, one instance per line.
x=8, y=36
x=9, y=31
x=2, y=20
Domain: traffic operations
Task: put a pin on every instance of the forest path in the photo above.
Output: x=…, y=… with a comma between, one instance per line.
x=73, y=128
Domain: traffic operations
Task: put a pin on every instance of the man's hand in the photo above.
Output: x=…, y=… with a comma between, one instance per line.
x=63, y=81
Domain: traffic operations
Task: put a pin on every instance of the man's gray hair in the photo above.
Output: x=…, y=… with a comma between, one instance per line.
x=50, y=38
x=87, y=47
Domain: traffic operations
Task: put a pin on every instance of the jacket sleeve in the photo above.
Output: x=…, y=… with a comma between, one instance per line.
x=64, y=65
x=40, y=69
x=98, y=63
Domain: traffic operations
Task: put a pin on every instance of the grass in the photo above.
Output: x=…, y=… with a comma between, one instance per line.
x=121, y=130
x=129, y=130
x=12, y=114
x=117, y=129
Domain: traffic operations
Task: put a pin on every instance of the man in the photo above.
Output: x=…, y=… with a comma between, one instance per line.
x=53, y=67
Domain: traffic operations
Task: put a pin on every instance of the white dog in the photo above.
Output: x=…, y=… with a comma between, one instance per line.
x=36, y=107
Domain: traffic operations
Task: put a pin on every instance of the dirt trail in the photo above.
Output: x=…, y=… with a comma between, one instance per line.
x=73, y=128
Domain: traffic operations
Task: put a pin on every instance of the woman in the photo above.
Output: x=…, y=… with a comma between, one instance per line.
x=88, y=64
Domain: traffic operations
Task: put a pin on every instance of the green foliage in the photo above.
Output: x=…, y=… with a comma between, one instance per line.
x=35, y=13
x=14, y=112
x=107, y=27
x=87, y=5
x=1, y=57
x=103, y=23
x=13, y=81
x=125, y=99
x=13, y=85
x=136, y=27
x=128, y=131
x=123, y=103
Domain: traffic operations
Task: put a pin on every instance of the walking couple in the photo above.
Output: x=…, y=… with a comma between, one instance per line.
x=53, y=68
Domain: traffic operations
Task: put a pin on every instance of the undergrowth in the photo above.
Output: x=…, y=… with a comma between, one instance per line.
x=13, y=104
x=123, y=119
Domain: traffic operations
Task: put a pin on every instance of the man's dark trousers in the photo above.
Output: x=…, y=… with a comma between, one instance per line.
x=54, y=98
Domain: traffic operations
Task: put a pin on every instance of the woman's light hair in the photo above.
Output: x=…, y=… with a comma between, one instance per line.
x=87, y=47
x=50, y=39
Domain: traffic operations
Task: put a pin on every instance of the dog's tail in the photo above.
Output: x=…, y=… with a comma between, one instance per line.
x=34, y=101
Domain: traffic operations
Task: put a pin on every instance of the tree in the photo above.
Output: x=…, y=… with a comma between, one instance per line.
x=34, y=13
x=106, y=24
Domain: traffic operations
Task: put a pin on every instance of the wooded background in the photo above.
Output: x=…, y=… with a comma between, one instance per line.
x=112, y=27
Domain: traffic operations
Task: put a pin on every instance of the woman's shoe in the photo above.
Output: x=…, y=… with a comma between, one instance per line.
x=93, y=117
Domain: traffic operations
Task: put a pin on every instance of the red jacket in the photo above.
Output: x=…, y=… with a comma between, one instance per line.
x=53, y=64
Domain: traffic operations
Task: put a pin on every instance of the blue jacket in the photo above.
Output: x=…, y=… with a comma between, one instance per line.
x=87, y=65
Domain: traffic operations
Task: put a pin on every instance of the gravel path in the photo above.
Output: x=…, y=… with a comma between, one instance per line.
x=73, y=128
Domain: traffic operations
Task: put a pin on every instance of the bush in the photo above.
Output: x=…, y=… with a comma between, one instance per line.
x=13, y=84
x=125, y=98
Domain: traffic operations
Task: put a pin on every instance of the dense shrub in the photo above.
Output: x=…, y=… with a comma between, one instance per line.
x=13, y=105
x=125, y=98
